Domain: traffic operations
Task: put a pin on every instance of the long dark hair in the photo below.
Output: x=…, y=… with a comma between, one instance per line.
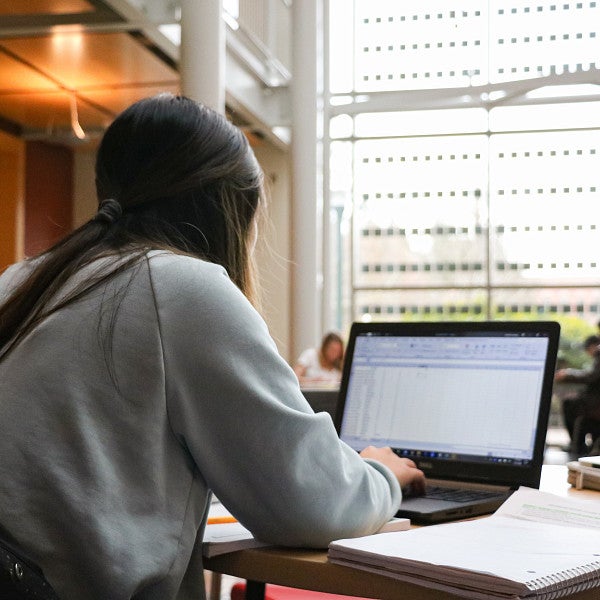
x=170, y=174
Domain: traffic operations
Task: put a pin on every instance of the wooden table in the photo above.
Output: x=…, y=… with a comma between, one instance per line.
x=309, y=569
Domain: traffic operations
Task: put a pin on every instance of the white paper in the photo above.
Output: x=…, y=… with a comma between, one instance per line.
x=221, y=538
x=533, y=505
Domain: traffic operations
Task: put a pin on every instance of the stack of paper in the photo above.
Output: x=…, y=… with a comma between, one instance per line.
x=536, y=546
x=585, y=473
x=221, y=538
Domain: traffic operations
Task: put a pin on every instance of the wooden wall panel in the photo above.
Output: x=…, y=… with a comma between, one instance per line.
x=48, y=195
x=12, y=212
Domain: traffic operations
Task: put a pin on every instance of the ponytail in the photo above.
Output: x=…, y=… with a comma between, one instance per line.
x=171, y=174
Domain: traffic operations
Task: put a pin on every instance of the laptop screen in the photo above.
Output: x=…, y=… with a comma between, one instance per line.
x=460, y=393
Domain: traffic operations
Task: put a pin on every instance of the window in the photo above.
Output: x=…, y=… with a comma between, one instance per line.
x=464, y=175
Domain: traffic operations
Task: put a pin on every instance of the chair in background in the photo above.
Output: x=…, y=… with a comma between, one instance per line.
x=587, y=427
x=322, y=400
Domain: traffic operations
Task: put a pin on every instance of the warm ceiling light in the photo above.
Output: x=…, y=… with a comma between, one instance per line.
x=67, y=39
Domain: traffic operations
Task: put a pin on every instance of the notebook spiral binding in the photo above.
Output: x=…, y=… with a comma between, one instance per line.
x=566, y=582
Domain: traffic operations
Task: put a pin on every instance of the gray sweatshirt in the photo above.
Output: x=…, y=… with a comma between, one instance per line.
x=109, y=450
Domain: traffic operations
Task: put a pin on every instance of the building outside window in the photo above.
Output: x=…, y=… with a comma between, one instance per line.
x=463, y=179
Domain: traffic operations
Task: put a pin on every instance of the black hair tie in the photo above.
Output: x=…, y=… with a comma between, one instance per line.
x=109, y=211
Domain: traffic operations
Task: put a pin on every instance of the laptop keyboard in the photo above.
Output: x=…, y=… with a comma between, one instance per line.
x=456, y=495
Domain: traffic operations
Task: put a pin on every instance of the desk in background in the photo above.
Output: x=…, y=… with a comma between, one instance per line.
x=309, y=569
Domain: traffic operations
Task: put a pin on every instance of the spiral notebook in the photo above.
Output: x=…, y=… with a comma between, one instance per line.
x=526, y=555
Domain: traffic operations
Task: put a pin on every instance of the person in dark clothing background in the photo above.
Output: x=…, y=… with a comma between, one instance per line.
x=585, y=403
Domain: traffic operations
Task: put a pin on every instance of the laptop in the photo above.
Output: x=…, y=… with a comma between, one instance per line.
x=467, y=401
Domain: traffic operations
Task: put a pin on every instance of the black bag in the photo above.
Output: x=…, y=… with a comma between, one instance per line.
x=20, y=579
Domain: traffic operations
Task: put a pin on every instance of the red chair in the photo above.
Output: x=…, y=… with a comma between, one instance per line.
x=279, y=592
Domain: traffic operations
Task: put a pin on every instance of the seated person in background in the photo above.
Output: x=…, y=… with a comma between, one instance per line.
x=322, y=365
x=585, y=403
x=136, y=378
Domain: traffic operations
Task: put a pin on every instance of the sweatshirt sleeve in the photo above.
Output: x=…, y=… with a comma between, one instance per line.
x=11, y=277
x=237, y=408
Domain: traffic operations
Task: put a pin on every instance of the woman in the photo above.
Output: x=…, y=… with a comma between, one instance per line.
x=136, y=377
x=323, y=365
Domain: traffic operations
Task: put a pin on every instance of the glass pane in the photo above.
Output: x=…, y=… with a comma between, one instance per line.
x=340, y=215
x=544, y=207
x=536, y=39
x=547, y=303
x=421, y=122
x=341, y=126
x=467, y=207
x=341, y=46
x=420, y=305
x=420, y=216
x=550, y=116
x=420, y=45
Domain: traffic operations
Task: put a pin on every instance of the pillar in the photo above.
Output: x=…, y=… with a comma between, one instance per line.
x=202, y=60
x=306, y=203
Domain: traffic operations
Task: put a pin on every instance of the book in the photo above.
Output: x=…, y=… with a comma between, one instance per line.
x=223, y=536
x=584, y=473
x=395, y=524
x=537, y=546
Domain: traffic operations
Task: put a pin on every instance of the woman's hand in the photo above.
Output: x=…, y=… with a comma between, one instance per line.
x=405, y=470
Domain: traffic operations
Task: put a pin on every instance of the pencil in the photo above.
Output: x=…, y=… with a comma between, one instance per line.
x=217, y=520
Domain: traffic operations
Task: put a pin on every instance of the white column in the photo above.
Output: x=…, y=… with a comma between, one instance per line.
x=306, y=202
x=202, y=61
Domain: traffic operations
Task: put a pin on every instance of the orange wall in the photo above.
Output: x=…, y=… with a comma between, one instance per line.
x=12, y=205
x=48, y=195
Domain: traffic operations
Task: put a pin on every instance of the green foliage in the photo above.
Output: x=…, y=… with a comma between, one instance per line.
x=573, y=330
